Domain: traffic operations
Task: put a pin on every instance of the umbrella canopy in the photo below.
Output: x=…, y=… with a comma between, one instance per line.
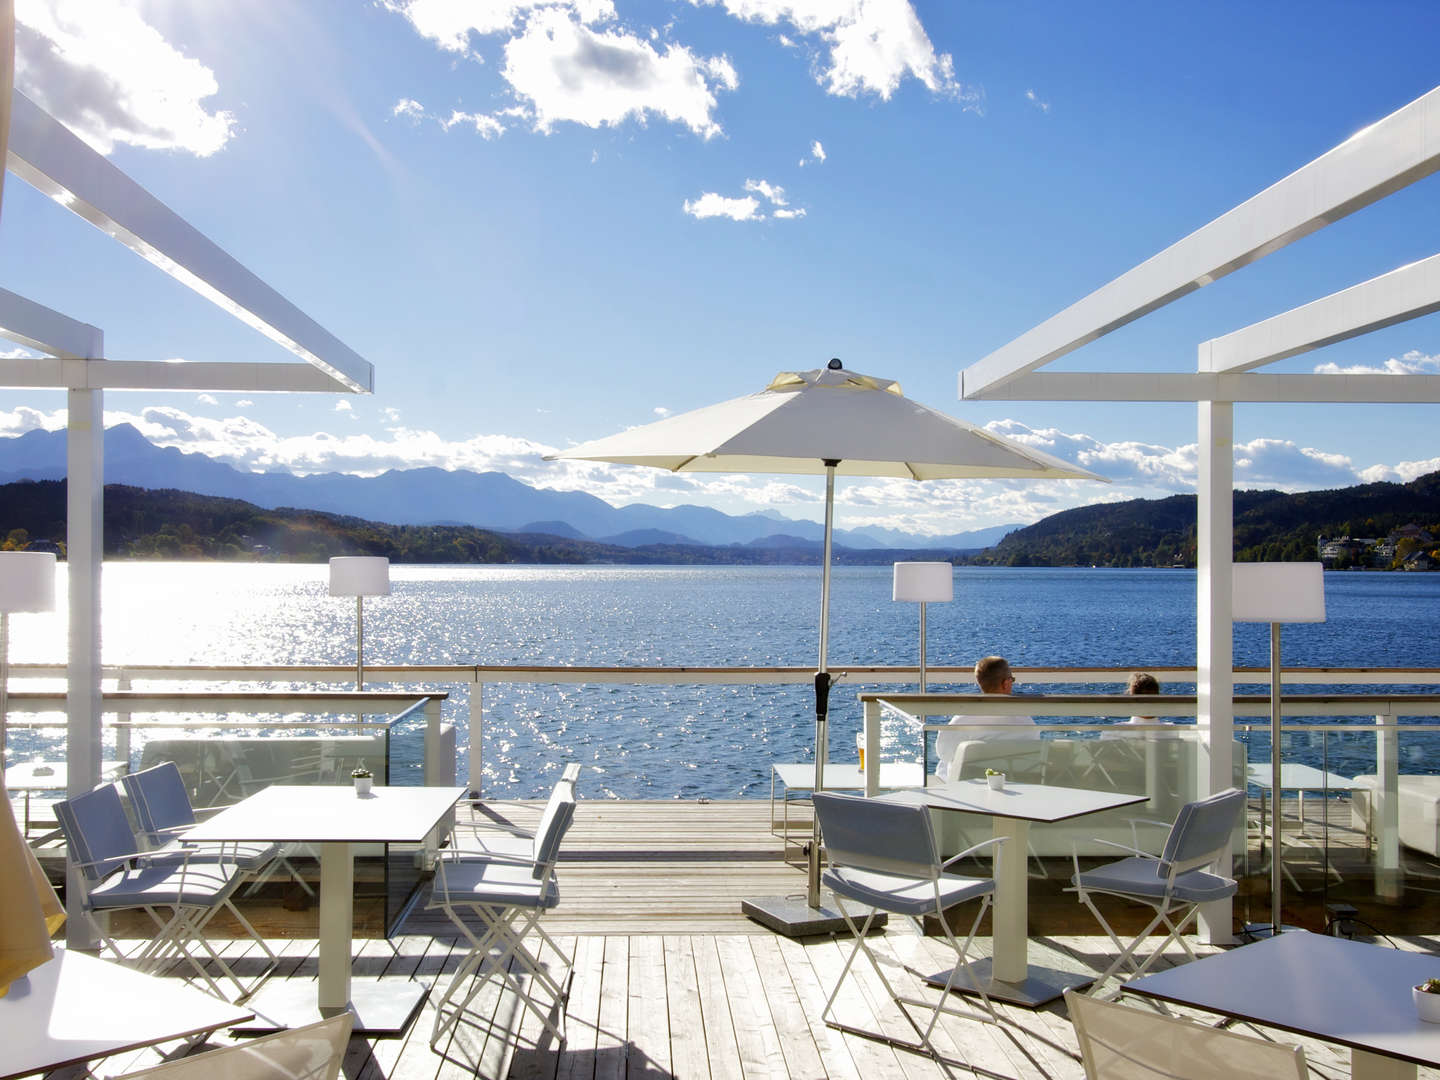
x=834, y=422
x=804, y=418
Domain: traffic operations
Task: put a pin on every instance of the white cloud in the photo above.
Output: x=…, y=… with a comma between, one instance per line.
x=23, y=419
x=744, y=208
x=817, y=151
x=661, y=411
x=206, y=399
x=487, y=127
x=1413, y=362
x=1034, y=99
x=872, y=45
x=773, y=192
x=104, y=72
x=450, y=23
x=568, y=72
x=1402, y=473
x=390, y=415
x=344, y=405
x=711, y=205
x=409, y=109
x=244, y=403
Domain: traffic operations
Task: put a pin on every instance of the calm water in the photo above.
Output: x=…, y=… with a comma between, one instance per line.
x=659, y=742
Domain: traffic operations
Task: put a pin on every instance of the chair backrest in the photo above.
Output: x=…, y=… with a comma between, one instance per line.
x=1202, y=831
x=159, y=799
x=871, y=834
x=1118, y=1042
x=313, y=1052
x=97, y=830
x=559, y=812
x=571, y=773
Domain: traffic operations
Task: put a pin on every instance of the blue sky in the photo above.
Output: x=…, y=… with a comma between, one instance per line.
x=545, y=221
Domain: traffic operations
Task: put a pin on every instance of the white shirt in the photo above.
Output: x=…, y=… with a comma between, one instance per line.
x=947, y=742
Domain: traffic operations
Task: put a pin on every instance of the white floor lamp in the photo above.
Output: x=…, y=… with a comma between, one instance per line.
x=924, y=583
x=360, y=576
x=27, y=583
x=1277, y=593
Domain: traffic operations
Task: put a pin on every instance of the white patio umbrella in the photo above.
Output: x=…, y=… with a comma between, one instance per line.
x=835, y=422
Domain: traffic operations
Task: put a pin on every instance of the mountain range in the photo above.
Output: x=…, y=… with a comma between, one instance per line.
x=432, y=496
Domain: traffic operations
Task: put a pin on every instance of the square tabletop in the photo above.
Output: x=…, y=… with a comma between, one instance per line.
x=1297, y=777
x=845, y=776
x=75, y=1008
x=1024, y=802
x=1343, y=991
x=324, y=814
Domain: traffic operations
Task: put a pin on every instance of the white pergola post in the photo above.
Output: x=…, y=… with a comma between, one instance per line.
x=1214, y=641
x=85, y=451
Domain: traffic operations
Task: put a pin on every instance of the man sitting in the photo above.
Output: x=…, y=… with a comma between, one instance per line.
x=993, y=676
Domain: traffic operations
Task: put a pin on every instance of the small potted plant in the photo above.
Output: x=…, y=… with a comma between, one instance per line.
x=363, y=778
x=1427, y=1000
x=996, y=779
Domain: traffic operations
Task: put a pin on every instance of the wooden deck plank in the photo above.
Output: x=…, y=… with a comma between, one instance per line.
x=612, y=1040
x=810, y=994
x=649, y=1029
x=756, y=1032
x=689, y=1056
x=775, y=988
x=719, y=1027
x=582, y=1018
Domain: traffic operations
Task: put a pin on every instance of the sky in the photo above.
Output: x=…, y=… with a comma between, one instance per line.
x=545, y=221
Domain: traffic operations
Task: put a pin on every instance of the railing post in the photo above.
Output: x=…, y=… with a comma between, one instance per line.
x=477, y=735
x=870, y=732
x=432, y=745
x=122, y=724
x=1386, y=809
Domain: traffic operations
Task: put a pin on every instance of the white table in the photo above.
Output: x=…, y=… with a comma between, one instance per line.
x=1010, y=976
x=798, y=780
x=1342, y=991
x=335, y=818
x=1297, y=777
x=28, y=776
x=76, y=1008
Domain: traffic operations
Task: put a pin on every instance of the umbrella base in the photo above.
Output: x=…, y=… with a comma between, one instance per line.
x=793, y=917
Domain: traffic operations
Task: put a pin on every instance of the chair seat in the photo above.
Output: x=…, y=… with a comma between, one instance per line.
x=494, y=884
x=160, y=882
x=1137, y=876
x=901, y=894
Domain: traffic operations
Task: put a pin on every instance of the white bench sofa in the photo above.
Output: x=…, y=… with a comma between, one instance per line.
x=1419, y=811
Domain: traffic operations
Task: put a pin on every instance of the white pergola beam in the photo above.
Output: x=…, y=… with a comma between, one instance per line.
x=1407, y=293
x=49, y=371
x=1381, y=159
x=44, y=153
x=1210, y=386
x=38, y=327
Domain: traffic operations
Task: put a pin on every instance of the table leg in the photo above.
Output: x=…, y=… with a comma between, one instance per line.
x=1011, y=912
x=1367, y=1066
x=1009, y=976
x=337, y=910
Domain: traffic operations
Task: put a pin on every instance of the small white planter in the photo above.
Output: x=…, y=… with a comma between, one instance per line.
x=996, y=781
x=362, y=785
x=1427, y=1006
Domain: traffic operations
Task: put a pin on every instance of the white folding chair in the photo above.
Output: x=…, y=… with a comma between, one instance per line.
x=165, y=814
x=1175, y=883
x=312, y=1052
x=506, y=896
x=116, y=876
x=1122, y=1043
x=883, y=856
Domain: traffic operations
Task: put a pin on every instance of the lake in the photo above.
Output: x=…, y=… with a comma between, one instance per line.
x=689, y=741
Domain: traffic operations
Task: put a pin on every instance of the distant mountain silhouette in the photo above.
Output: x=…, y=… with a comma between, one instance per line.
x=430, y=496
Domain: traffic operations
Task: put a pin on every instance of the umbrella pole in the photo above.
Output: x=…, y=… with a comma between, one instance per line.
x=822, y=681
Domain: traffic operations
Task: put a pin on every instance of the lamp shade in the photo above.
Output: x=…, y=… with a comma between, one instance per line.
x=360, y=575
x=1286, y=592
x=27, y=581
x=924, y=582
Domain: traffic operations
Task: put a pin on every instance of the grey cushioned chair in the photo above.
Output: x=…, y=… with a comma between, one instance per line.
x=505, y=896
x=496, y=840
x=1175, y=883
x=164, y=813
x=116, y=876
x=883, y=856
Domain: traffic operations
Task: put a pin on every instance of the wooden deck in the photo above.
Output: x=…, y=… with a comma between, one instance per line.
x=671, y=981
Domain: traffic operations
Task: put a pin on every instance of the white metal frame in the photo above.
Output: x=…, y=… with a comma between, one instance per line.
x=1381, y=159
x=43, y=152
